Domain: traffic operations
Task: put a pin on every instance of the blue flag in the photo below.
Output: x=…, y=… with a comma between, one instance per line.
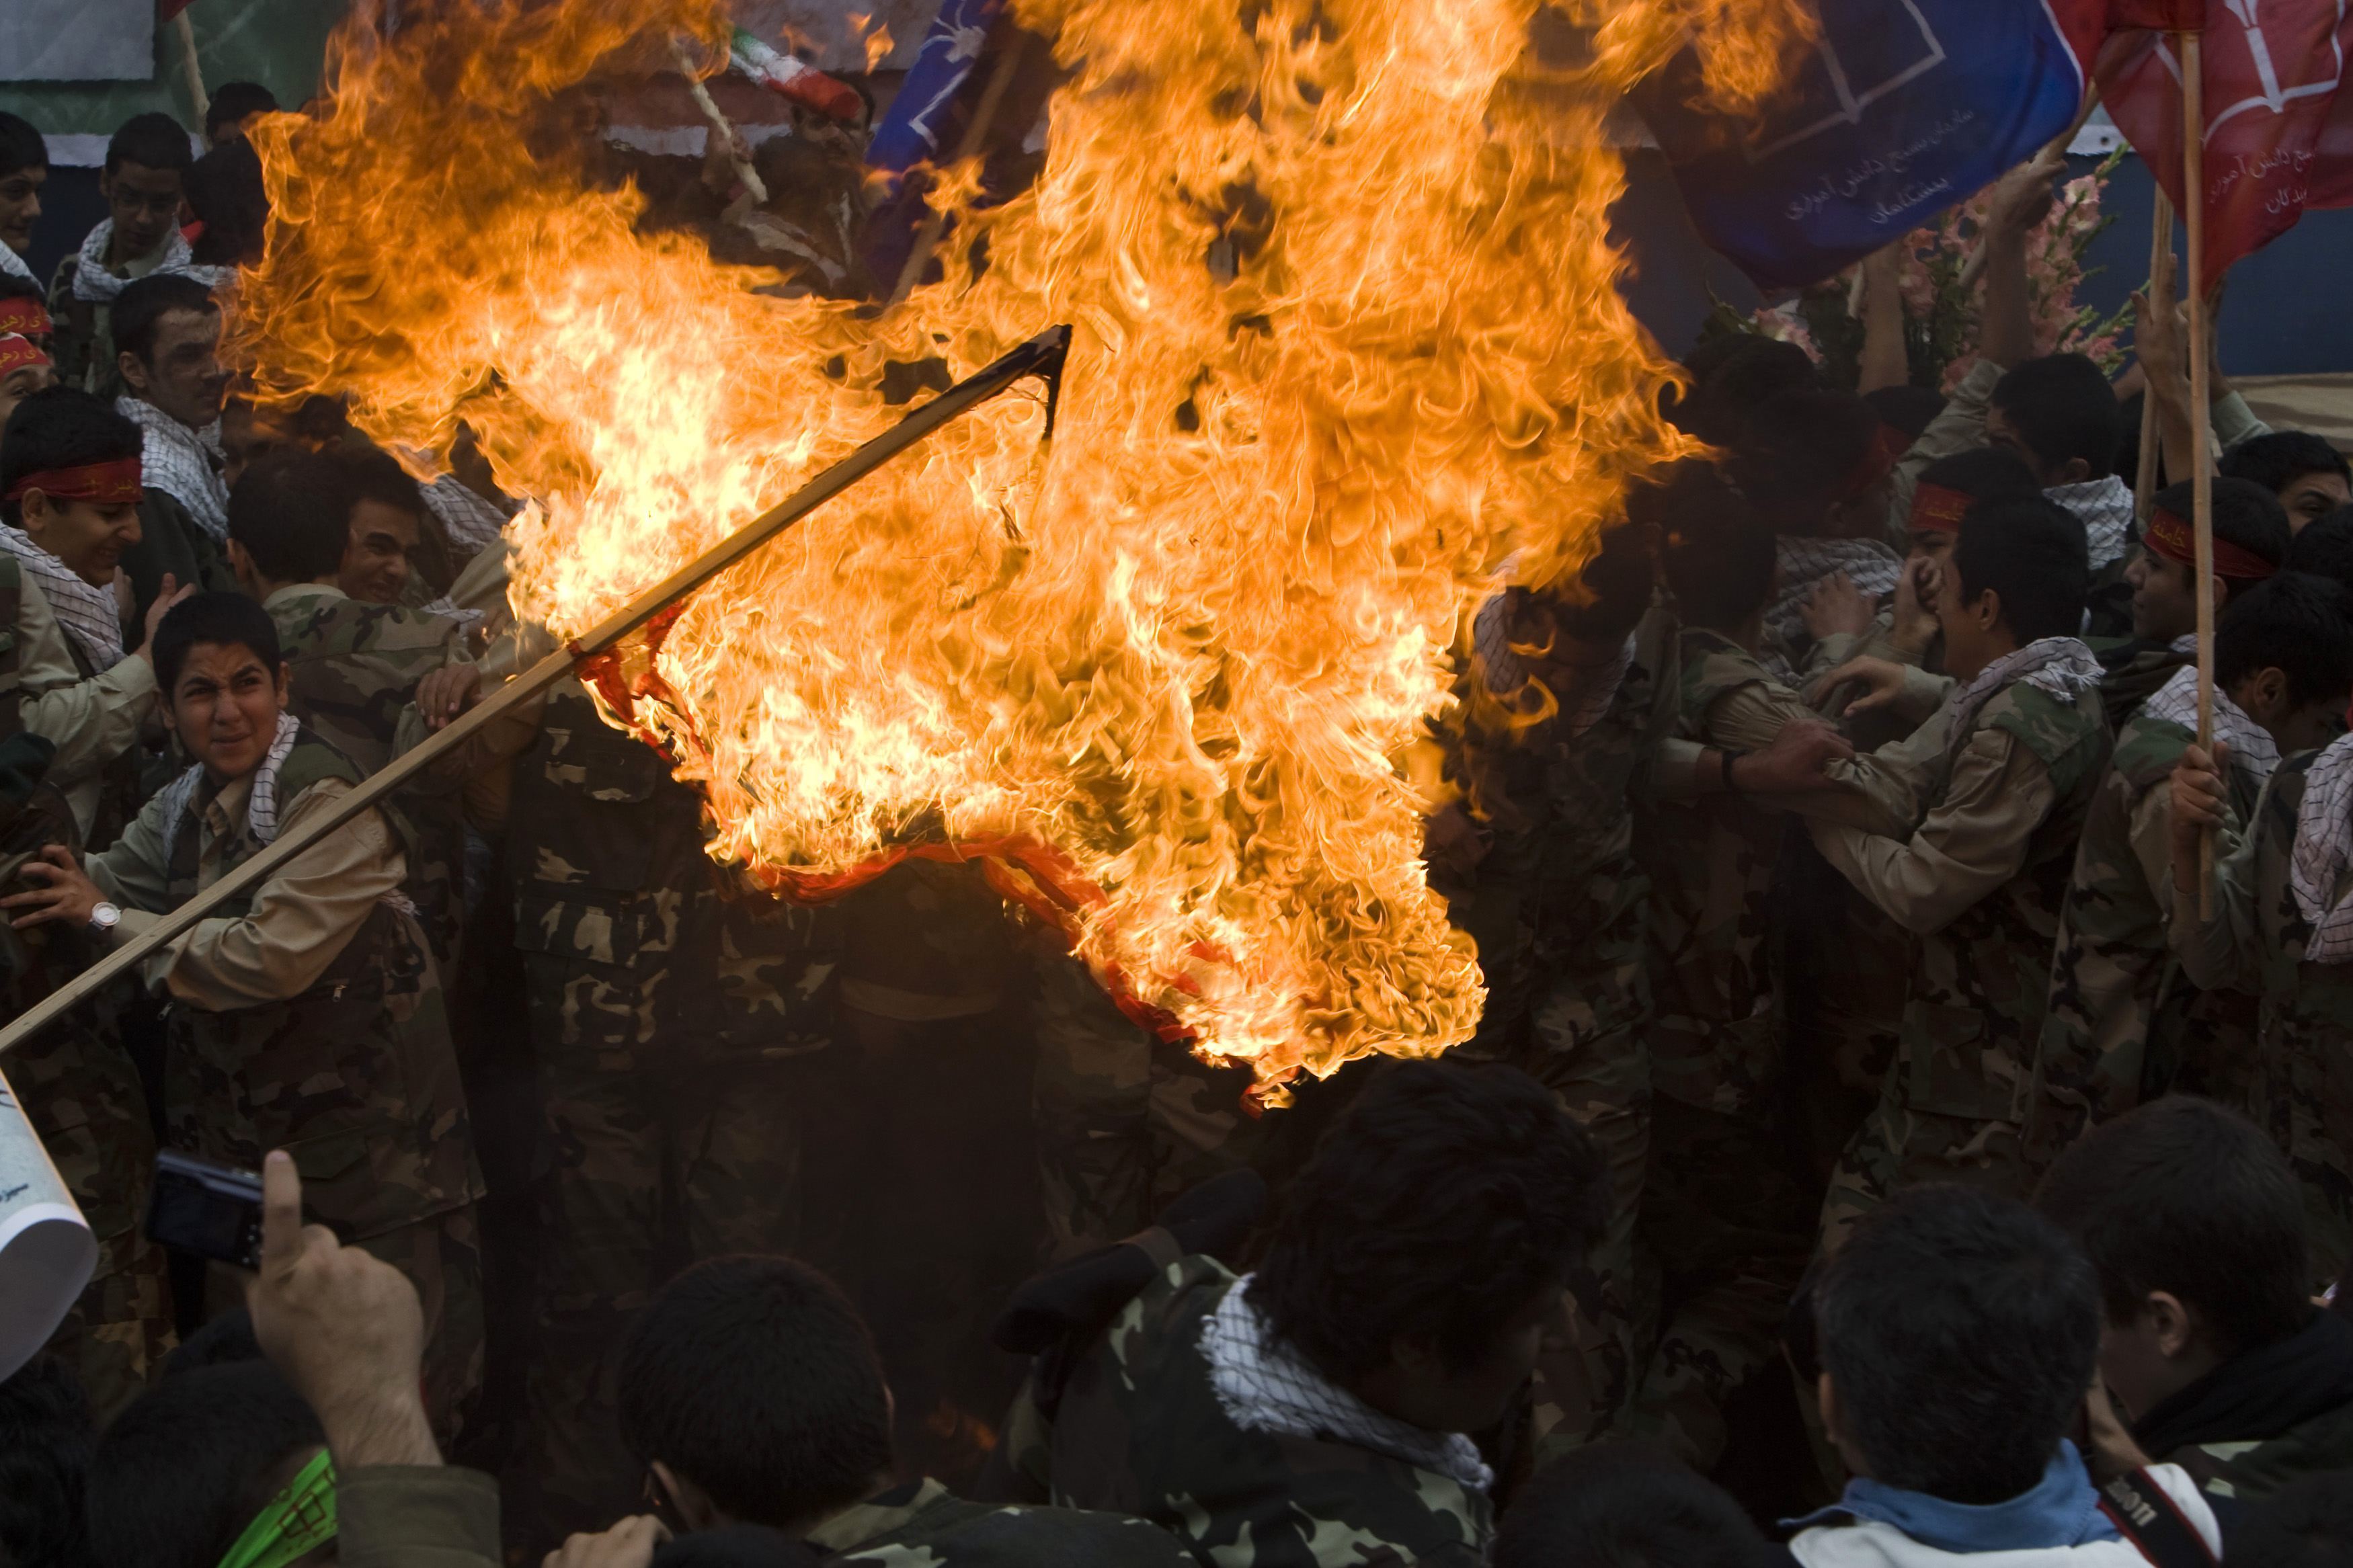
x=916, y=126
x=1900, y=110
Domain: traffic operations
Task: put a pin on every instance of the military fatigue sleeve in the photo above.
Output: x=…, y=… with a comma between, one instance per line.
x=1957, y=428
x=2233, y=421
x=416, y=1516
x=301, y=919
x=92, y=721
x=1971, y=841
x=1749, y=718
x=2225, y=953
x=135, y=870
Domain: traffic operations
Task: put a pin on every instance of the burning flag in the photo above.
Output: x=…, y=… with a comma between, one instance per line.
x=1347, y=343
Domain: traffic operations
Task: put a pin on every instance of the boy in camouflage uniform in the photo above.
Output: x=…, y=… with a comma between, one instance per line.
x=2125, y=1024
x=2282, y=929
x=1311, y=1415
x=1997, y=782
x=307, y=1014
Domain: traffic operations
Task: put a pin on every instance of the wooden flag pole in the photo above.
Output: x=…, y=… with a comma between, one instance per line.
x=2160, y=242
x=1041, y=356
x=2193, y=194
x=712, y=112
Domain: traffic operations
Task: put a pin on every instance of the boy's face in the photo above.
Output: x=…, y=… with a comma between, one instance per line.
x=247, y=433
x=2164, y=601
x=89, y=536
x=2310, y=496
x=2263, y=695
x=146, y=205
x=1974, y=635
x=21, y=383
x=225, y=708
x=1935, y=543
x=376, y=557
x=20, y=206
x=184, y=378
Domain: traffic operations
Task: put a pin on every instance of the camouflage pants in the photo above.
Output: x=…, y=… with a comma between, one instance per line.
x=1124, y=1123
x=83, y=1097
x=1847, y=971
x=1727, y=1226
x=2304, y=1099
x=1913, y=1136
x=662, y=1154
x=1587, y=1046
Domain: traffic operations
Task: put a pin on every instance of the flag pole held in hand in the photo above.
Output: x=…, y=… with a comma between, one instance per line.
x=2188, y=45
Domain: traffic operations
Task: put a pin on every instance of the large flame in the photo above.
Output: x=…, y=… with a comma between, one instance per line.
x=1166, y=669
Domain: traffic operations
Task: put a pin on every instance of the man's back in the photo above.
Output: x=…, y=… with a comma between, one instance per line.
x=352, y=666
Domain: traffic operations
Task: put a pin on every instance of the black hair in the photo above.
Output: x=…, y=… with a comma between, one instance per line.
x=225, y=190
x=2063, y=407
x=1625, y=1505
x=2032, y=554
x=2308, y=1523
x=2276, y=459
x=291, y=511
x=2185, y=1196
x=371, y=473
x=184, y=1468
x=2245, y=514
x=222, y=619
x=755, y=1378
x=1798, y=450
x=140, y=309
x=60, y=427
x=735, y=1546
x=1911, y=409
x=1960, y=1330
x=22, y=145
x=47, y=1434
x=1613, y=590
x=1983, y=474
x=1731, y=375
x=2325, y=546
x=233, y=101
x=1445, y=1199
x=15, y=288
x=2295, y=622
x=152, y=141
x=1717, y=556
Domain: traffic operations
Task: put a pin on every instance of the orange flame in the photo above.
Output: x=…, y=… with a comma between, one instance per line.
x=1347, y=353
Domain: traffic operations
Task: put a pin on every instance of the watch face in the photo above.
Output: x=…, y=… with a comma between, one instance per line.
x=105, y=916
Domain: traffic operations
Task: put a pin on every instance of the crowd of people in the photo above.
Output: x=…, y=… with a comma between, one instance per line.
x=1913, y=1116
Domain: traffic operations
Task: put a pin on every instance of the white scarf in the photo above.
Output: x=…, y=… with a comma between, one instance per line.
x=262, y=801
x=2061, y=668
x=1804, y=562
x=2323, y=848
x=2106, y=507
x=1583, y=706
x=182, y=463
x=86, y=611
x=15, y=265
x=1264, y=1385
x=94, y=283
x=2251, y=746
x=473, y=524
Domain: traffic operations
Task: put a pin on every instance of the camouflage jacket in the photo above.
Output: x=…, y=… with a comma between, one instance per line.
x=357, y=1077
x=920, y=1525
x=1136, y=1428
x=171, y=542
x=2266, y=1417
x=2123, y=1018
x=352, y=667
x=611, y=881
x=1715, y=1042
x=1981, y=881
x=2135, y=670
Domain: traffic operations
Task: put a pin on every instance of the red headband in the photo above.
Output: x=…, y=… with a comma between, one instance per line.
x=2170, y=537
x=16, y=353
x=1887, y=450
x=108, y=484
x=1936, y=509
x=23, y=313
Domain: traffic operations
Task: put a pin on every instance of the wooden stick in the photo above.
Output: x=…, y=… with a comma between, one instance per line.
x=2193, y=196
x=719, y=125
x=2160, y=242
x=1041, y=355
x=187, y=32
x=928, y=235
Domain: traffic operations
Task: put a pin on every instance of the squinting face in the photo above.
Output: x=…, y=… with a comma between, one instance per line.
x=89, y=536
x=2310, y=496
x=20, y=206
x=225, y=708
x=21, y=383
x=1934, y=543
x=376, y=560
x=146, y=205
x=2164, y=601
x=184, y=379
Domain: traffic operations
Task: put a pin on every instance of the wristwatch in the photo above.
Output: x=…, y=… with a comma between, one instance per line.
x=104, y=917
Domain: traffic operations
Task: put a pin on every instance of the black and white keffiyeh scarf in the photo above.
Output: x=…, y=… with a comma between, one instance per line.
x=94, y=283
x=14, y=265
x=473, y=523
x=182, y=463
x=2106, y=507
x=88, y=612
x=2061, y=668
x=1582, y=707
x=1263, y=1386
x=2253, y=749
x=2324, y=852
x=1806, y=563
x=260, y=804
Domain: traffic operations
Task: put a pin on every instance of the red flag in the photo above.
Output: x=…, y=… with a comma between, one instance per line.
x=2279, y=121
